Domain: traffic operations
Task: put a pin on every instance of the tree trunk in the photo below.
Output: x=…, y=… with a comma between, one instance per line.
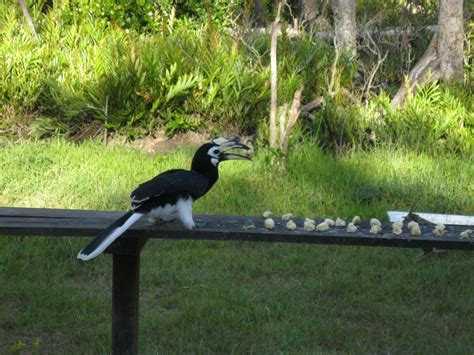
x=259, y=13
x=308, y=11
x=443, y=59
x=450, y=39
x=275, y=28
x=345, y=24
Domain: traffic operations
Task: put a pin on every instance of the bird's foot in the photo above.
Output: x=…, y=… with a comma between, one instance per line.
x=157, y=222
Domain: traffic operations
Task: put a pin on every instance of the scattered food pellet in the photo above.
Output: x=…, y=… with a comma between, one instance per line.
x=309, y=220
x=438, y=230
x=412, y=224
x=396, y=229
x=356, y=220
x=375, y=229
x=309, y=225
x=466, y=234
x=398, y=223
x=415, y=230
x=351, y=227
x=269, y=223
x=291, y=225
x=321, y=227
x=441, y=225
x=330, y=222
x=267, y=214
x=287, y=216
x=340, y=222
x=375, y=222
x=249, y=226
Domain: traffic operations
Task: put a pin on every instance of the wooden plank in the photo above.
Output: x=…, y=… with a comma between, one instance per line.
x=31, y=222
x=57, y=213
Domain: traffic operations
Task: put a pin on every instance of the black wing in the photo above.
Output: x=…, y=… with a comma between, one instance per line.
x=170, y=182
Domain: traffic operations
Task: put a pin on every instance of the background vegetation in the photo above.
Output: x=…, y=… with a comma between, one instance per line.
x=152, y=66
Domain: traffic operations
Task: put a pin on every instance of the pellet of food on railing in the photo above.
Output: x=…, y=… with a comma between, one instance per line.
x=269, y=223
x=375, y=221
x=266, y=214
x=291, y=225
x=309, y=225
x=287, y=216
x=412, y=224
x=396, y=228
x=438, y=230
x=415, y=229
x=330, y=222
x=351, y=228
x=398, y=223
x=340, y=222
x=465, y=234
x=322, y=227
x=375, y=229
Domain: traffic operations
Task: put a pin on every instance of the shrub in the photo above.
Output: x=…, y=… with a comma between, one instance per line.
x=169, y=71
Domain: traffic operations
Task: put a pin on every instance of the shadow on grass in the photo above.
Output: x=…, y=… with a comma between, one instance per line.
x=378, y=186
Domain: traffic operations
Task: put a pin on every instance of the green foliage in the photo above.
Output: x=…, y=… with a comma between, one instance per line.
x=80, y=71
x=177, y=73
x=396, y=13
x=437, y=118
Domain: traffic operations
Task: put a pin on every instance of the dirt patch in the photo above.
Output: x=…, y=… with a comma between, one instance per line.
x=159, y=143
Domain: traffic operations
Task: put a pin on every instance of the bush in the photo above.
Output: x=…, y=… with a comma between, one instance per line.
x=437, y=118
x=97, y=64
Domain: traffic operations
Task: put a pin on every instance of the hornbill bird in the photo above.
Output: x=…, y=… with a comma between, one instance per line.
x=170, y=195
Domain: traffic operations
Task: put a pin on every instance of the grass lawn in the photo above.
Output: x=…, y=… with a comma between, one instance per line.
x=223, y=297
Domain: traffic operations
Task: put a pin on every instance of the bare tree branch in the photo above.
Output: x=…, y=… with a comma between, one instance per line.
x=273, y=77
x=28, y=17
x=293, y=117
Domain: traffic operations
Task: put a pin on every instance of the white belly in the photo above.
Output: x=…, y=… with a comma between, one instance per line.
x=166, y=213
x=182, y=210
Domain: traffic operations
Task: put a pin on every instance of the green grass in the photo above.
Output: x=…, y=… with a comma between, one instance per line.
x=233, y=296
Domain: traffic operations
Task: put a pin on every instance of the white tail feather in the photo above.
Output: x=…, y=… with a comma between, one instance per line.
x=111, y=237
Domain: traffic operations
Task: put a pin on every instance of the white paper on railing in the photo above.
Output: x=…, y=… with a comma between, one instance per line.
x=435, y=218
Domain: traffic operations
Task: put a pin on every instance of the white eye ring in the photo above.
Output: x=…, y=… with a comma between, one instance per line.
x=214, y=152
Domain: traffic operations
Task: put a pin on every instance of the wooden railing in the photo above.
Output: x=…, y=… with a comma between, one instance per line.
x=126, y=250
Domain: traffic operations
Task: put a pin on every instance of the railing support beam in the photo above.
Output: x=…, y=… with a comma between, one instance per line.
x=125, y=294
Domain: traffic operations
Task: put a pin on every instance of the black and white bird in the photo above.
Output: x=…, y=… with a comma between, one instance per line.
x=170, y=195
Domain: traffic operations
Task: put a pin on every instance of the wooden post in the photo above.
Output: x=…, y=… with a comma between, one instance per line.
x=125, y=294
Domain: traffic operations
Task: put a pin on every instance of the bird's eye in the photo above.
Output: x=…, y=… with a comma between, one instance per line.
x=215, y=151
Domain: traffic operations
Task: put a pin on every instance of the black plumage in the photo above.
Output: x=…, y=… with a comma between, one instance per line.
x=170, y=195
